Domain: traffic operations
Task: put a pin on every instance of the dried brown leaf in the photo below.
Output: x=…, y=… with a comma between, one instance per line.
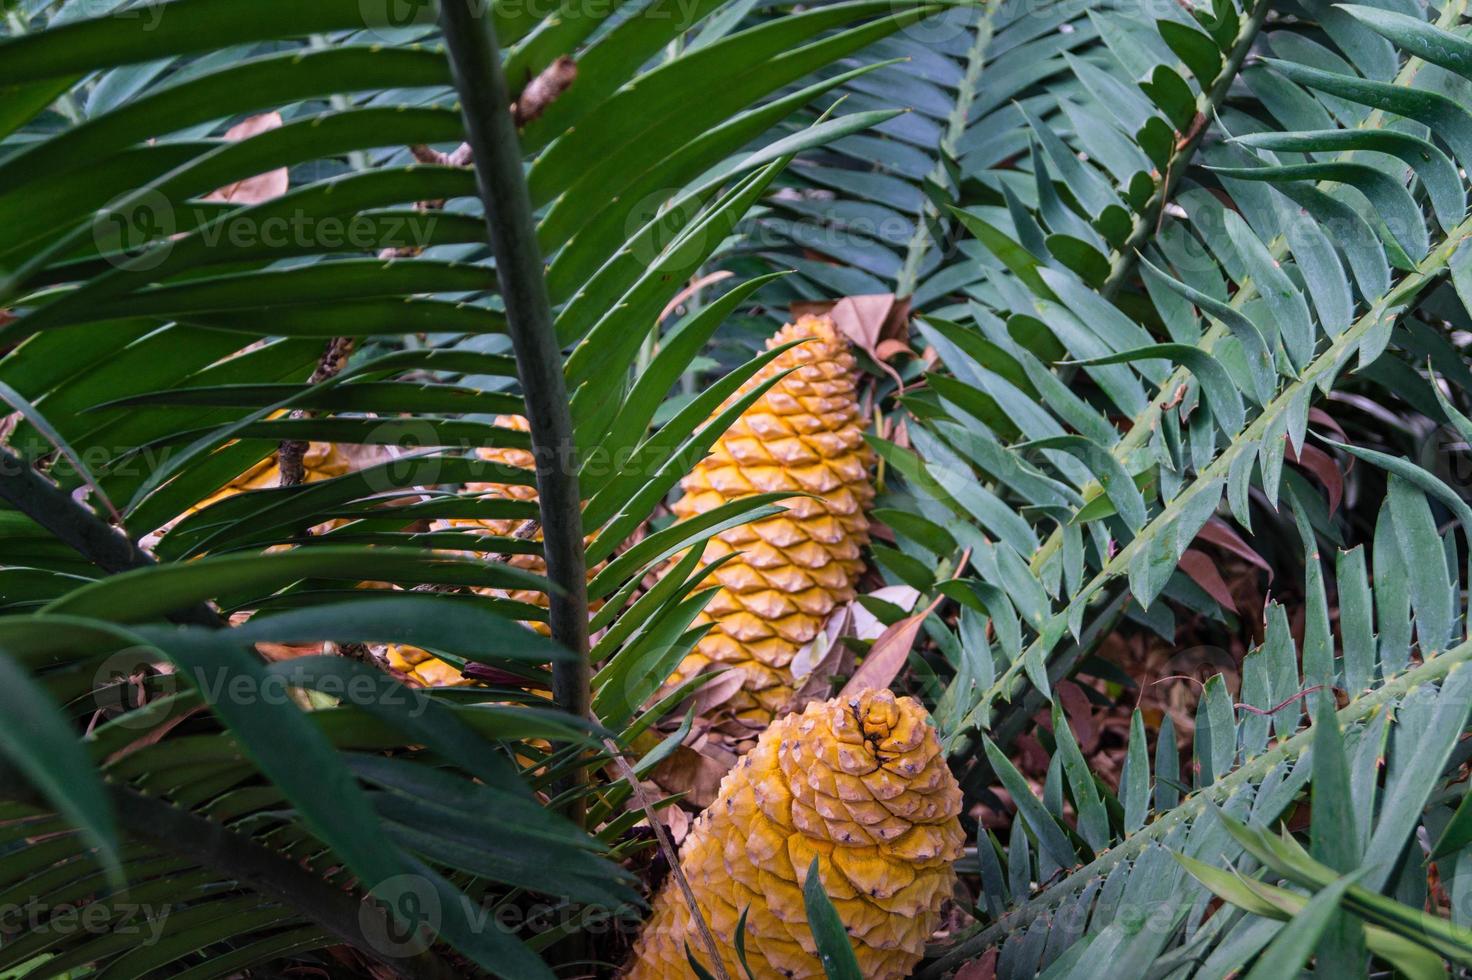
x=1218, y=532
x=888, y=654
x=693, y=773
x=868, y=322
x=262, y=187
x=1323, y=466
x=984, y=968
x=1318, y=416
x=717, y=692
x=1203, y=571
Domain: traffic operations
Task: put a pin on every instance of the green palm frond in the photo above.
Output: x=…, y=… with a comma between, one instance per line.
x=1136, y=877
x=1181, y=392
x=160, y=339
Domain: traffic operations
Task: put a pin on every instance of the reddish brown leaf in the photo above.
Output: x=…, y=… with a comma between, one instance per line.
x=677, y=822
x=1080, y=714
x=1220, y=533
x=868, y=322
x=696, y=285
x=1203, y=572
x=888, y=654
x=262, y=187
x=1318, y=416
x=717, y=692
x=693, y=773
x=896, y=431
x=893, y=348
x=984, y=968
x=1323, y=466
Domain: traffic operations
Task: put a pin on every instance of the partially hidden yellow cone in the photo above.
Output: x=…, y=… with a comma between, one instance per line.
x=805, y=435
x=861, y=782
x=322, y=461
x=421, y=665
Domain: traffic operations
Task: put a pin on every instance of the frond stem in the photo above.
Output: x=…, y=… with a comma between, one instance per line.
x=80, y=529
x=930, y=213
x=1207, y=103
x=485, y=103
x=1321, y=370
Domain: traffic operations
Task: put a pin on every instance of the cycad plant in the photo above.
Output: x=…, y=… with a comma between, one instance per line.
x=281, y=232
x=286, y=286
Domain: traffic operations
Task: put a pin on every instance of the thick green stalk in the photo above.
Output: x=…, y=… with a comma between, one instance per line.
x=485, y=104
x=930, y=213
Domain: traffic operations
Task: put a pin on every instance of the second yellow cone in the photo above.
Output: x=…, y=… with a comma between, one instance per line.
x=804, y=435
x=860, y=782
x=421, y=665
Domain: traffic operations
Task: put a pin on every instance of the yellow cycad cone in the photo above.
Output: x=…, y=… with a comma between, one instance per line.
x=861, y=782
x=322, y=461
x=805, y=435
x=422, y=666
